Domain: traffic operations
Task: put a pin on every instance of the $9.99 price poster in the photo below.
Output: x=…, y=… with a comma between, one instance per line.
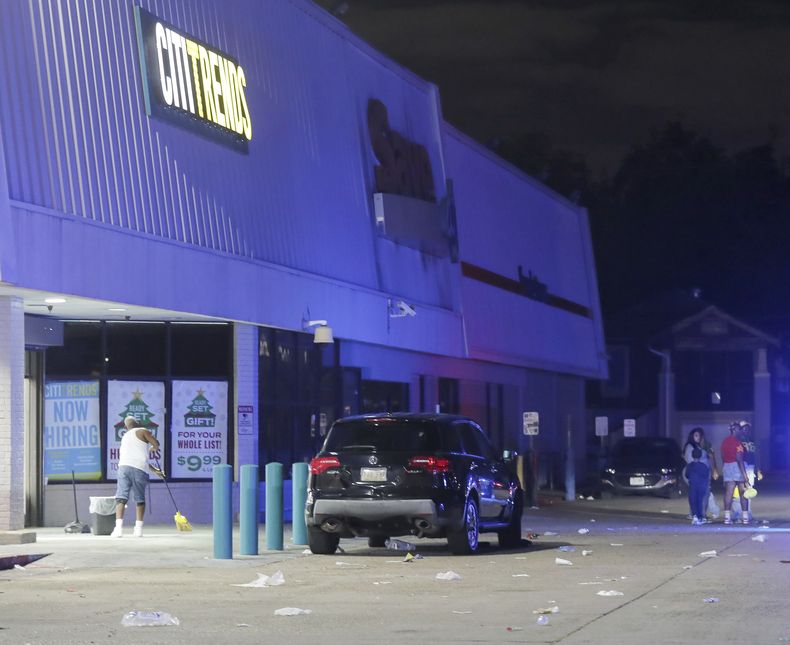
x=199, y=437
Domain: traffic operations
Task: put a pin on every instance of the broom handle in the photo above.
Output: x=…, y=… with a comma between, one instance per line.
x=167, y=487
x=74, y=490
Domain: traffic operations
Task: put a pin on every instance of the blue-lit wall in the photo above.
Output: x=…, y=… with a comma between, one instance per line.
x=105, y=202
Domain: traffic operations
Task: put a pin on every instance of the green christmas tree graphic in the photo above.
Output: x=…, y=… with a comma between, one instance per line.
x=200, y=414
x=138, y=409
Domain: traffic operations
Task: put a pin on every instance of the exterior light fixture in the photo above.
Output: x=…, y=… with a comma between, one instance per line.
x=322, y=332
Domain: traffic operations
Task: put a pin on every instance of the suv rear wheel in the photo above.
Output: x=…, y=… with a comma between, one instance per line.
x=465, y=540
x=510, y=537
x=321, y=542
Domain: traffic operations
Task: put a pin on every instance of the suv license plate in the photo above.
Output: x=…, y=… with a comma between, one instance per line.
x=374, y=474
x=637, y=481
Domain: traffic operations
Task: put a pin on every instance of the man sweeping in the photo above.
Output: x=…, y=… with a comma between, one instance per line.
x=133, y=468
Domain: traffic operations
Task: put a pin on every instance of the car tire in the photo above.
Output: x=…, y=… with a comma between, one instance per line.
x=510, y=537
x=466, y=540
x=377, y=541
x=321, y=542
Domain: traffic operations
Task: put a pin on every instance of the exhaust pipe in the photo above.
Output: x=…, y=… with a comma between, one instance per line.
x=422, y=524
x=332, y=525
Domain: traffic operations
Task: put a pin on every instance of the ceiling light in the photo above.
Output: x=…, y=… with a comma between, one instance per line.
x=117, y=309
x=54, y=301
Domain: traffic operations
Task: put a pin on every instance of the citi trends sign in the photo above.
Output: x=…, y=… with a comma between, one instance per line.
x=191, y=83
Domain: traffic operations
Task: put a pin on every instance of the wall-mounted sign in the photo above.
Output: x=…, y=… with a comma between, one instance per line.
x=191, y=83
x=629, y=427
x=71, y=430
x=200, y=427
x=531, y=423
x=245, y=421
x=601, y=426
x=143, y=400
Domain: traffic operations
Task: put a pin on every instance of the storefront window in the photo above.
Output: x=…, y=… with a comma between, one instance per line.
x=81, y=353
x=135, y=349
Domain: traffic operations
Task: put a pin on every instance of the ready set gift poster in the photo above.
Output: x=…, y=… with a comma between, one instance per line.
x=145, y=401
x=72, y=439
x=200, y=427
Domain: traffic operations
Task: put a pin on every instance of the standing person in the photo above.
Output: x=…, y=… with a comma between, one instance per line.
x=696, y=439
x=750, y=461
x=698, y=475
x=133, y=473
x=733, y=471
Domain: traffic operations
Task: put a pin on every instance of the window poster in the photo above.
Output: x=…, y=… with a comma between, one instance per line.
x=200, y=427
x=145, y=401
x=72, y=440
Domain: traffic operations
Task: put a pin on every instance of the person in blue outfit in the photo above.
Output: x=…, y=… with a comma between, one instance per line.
x=698, y=475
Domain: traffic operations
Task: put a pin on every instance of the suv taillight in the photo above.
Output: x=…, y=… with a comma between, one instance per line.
x=320, y=465
x=433, y=465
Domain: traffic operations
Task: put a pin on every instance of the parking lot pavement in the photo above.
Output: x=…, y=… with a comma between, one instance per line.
x=80, y=592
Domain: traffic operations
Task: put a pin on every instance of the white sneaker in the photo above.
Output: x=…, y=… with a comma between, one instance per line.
x=138, y=531
x=117, y=532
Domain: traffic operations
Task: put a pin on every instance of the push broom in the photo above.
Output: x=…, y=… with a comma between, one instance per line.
x=182, y=523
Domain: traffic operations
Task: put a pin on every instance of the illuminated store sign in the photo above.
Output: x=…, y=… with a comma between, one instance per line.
x=187, y=81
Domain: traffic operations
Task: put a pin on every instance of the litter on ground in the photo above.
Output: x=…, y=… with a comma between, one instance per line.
x=611, y=592
x=583, y=531
x=562, y=562
x=711, y=599
x=546, y=610
x=567, y=549
x=274, y=580
x=759, y=538
x=542, y=620
x=550, y=533
x=709, y=554
x=448, y=575
x=587, y=552
x=292, y=611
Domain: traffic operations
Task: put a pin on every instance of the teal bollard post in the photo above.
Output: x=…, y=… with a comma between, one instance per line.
x=248, y=510
x=274, y=506
x=222, y=513
x=299, y=474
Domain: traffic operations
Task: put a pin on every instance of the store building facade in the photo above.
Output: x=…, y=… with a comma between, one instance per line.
x=186, y=186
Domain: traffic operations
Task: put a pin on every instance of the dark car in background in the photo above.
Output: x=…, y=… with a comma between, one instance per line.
x=645, y=465
x=429, y=475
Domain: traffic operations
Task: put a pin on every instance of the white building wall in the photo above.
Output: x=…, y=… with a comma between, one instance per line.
x=12, y=376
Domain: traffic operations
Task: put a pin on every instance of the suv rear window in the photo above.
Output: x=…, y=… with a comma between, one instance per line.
x=385, y=435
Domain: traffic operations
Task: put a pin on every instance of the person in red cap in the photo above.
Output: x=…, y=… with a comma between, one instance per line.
x=733, y=472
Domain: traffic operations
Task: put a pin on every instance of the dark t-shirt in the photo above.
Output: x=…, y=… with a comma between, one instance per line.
x=749, y=446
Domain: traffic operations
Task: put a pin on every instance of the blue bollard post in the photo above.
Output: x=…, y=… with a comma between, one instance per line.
x=248, y=510
x=222, y=515
x=299, y=473
x=274, y=506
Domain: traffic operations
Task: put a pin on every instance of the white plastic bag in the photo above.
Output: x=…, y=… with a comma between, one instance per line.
x=102, y=505
x=713, y=507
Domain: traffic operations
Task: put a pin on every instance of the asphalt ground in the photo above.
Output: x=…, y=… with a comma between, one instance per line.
x=642, y=548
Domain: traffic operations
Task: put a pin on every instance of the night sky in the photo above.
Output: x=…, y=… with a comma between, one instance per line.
x=594, y=75
x=596, y=78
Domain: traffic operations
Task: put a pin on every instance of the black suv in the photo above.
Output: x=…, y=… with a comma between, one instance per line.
x=645, y=465
x=429, y=475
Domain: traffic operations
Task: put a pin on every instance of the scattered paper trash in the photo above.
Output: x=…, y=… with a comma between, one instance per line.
x=737, y=555
x=663, y=510
x=546, y=610
x=590, y=498
x=383, y=582
x=688, y=566
x=274, y=580
x=711, y=599
x=534, y=508
x=448, y=575
x=521, y=575
x=567, y=549
x=515, y=629
x=461, y=612
x=412, y=556
x=583, y=531
x=243, y=625
x=562, y=562
x=542, y=620
x=292, y=611
x=550, y=533
x=611, y=592
x=709, y=554
x=307, y=552
x=592, y=520
x=591, y=583
x=587, y=552
x=148, y=619
x=759, y=538
x=616, y=544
